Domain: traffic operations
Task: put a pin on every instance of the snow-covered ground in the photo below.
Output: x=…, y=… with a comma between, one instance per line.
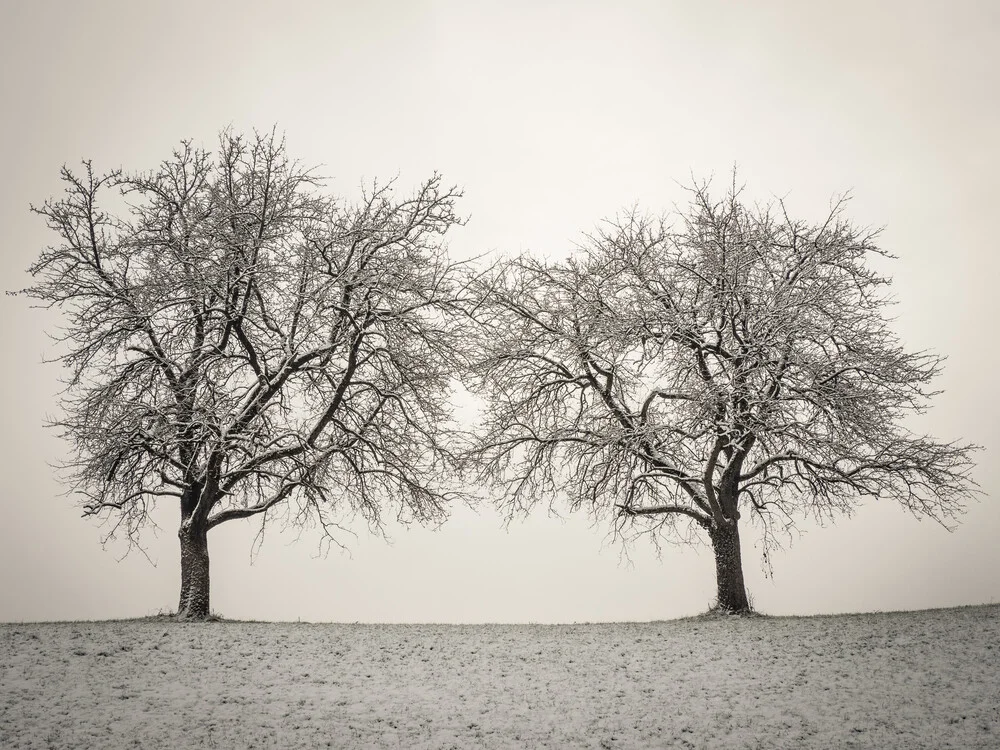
x=890, y=680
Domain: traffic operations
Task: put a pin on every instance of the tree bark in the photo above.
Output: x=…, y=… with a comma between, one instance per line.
x=194, y=599
x=729, y=568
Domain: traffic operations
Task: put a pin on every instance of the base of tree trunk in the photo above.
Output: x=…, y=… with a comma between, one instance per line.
x=716, y=611
x=195, y=616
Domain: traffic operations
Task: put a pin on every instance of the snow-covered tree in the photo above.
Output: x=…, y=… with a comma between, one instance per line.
x=240, y=345
x=678, y=380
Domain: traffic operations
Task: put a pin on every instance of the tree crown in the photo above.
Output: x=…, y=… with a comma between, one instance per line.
x=235, y=339
x=676, y=375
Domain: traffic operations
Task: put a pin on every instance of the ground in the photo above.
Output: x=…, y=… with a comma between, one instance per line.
x=888, y=680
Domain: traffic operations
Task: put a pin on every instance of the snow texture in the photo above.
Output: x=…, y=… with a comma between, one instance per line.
x=890, y=680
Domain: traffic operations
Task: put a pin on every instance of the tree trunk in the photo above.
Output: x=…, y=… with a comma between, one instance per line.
x=729, y=569
x=194, y=600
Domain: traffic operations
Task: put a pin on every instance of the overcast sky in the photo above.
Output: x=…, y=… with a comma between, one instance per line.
x=552, y=116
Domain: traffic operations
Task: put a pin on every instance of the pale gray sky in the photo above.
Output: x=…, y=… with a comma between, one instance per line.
x=552, y=116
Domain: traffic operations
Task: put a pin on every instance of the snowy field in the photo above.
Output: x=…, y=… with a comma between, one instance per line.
x=894, y=680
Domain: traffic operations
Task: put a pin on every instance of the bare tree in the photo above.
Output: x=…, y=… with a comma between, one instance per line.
x=240, y=344
x=676, y=380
